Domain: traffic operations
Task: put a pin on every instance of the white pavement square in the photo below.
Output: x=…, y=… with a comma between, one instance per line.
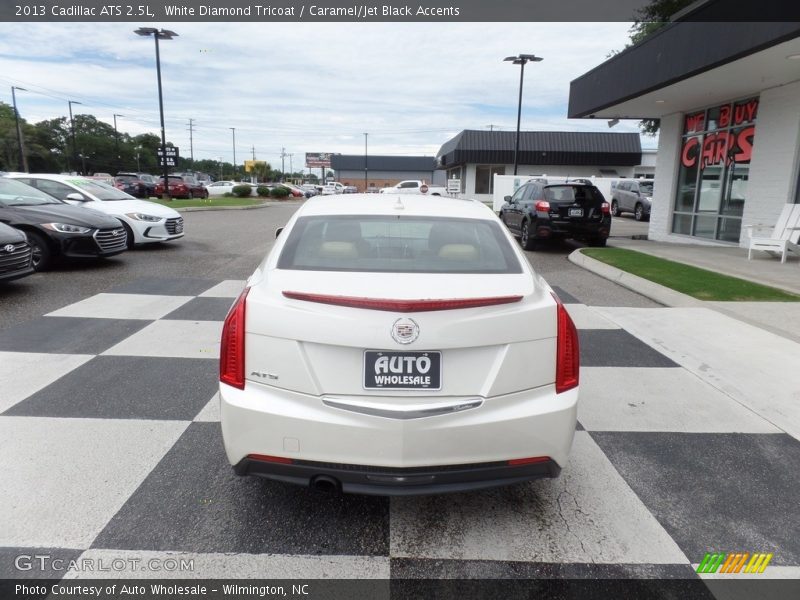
x=232, y=566
x=652, y=399
x=64, y=479
x=181, y=339
x=230, y=288
x=210, y=412
x=586, y=317
x=123, y=306
x=25, y=373
x=755, y=367
x=588, y=515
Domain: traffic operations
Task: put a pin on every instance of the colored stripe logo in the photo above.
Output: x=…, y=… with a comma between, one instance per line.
x=734, y=562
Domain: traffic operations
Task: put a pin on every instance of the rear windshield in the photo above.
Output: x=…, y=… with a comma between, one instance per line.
x=395, y=244
x=646, y=188
x=572, y=193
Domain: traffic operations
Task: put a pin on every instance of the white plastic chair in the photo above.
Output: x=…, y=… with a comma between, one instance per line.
x=784, y=236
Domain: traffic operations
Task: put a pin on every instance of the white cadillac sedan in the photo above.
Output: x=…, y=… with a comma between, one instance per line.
x=396, y=345
x=144, y=221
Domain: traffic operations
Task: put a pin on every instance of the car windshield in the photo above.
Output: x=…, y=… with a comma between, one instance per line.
x=127, y=178
x=101, y=191
x=646, y=188
x=572, y=193
x=16, y=193
x=395, y=244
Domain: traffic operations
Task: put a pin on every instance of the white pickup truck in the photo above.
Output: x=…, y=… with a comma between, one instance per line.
x=415, y=186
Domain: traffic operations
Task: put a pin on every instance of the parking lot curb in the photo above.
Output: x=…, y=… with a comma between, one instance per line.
x=658, y=293
x=251, y=207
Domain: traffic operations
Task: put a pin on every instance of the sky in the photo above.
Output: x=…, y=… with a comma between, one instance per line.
x=307, y=87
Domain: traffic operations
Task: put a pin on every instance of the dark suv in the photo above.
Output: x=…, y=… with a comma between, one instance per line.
x=538, y=211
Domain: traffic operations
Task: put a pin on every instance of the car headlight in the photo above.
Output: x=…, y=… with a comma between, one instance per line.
x=66, y=228
x=144, y=217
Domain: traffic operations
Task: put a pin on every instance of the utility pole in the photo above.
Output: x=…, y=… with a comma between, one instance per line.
x=291, y=168
x=254, y=153
x=23, y=161
x=72, y=130
x=283, y=164
x=366, y=170
x=116, y=143
x=191, y=143
x=491, y=127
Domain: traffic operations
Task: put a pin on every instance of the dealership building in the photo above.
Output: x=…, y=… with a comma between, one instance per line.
x=476, y=156
x=728, y=99
x=371, y=173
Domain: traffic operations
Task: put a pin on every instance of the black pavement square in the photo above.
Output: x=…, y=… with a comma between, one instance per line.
x=565, y=297
x=202, y=309
x=618, y=348
x=68, y=335
x=172, y=286
x=192, y=501
x=127, y=387
x=730, y=492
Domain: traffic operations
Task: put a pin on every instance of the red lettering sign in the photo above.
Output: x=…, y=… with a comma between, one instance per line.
x=689, y=152
x=744, y=143
x=745, y=112
x=724, y=116
x=695, y=122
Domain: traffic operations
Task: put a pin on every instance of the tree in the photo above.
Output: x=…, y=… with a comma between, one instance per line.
x=649, y=19
x=9, y=149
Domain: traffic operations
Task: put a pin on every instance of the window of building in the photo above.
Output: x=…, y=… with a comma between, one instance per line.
x=484, y=177
x=715, y=160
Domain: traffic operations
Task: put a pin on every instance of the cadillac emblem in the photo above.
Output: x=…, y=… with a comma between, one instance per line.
x=405, y=331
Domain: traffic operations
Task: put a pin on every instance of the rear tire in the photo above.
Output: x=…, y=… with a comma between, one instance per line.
x=525, y=239
x=638, y=212
x=614, y=208
x=597, y=242
x=42, y=253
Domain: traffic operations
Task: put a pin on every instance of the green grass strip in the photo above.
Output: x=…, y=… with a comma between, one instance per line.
x=695, y=282
x=178, y=203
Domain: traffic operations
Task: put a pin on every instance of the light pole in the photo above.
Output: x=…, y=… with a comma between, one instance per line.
x=366, y=172
x=116, y=142
x=233, y=132
x=520, y=60
x=23, y=166
x=72, y=132
x=163, y=34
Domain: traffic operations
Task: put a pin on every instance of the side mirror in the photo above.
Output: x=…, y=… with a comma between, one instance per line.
x=507, y=199
x=278, y=231
x=76, y=197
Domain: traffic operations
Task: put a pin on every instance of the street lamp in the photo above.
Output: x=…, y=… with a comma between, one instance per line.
x=233, y=132
x=72, y=131
x=162, y=34
x=520, y=60
x=116, y=142
x=366, y=171
x=22, y=162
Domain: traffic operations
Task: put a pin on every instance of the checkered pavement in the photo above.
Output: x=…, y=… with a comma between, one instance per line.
x=110, y=447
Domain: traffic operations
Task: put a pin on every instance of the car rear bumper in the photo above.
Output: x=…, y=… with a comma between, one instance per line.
x=374, y=454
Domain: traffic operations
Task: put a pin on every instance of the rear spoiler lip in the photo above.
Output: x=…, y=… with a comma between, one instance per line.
x=402, y=305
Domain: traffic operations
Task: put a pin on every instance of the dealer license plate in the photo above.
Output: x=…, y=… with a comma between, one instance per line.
x=575, y=212
x=384, y=370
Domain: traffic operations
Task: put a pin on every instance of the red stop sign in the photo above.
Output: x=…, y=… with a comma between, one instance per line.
x=423, y=188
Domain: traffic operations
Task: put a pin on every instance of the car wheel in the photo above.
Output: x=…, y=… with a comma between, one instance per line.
x=191, y=195
x=614, y=208
x=638, y=212
x=525, y=239
x=598, y=242
x=130, y=241
x=42, y=254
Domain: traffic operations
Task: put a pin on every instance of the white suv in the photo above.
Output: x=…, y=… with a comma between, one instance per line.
x=144, y=221
x=395, y=346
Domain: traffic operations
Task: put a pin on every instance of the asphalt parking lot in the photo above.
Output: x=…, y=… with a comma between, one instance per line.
x=110, y=443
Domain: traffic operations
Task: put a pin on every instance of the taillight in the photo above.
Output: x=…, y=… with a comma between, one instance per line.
x=542, y=205
x=402, y=305
x=532, y=460
x=568, y=363
x=605, y=208
x=231, y=352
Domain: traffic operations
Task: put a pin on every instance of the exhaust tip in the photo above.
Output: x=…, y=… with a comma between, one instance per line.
x=324, y=483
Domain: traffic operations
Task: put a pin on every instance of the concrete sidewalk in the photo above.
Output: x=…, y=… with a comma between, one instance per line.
x=780, y=318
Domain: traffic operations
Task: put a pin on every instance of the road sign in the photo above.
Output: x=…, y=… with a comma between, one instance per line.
x=453, y=186
x=168, y=158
